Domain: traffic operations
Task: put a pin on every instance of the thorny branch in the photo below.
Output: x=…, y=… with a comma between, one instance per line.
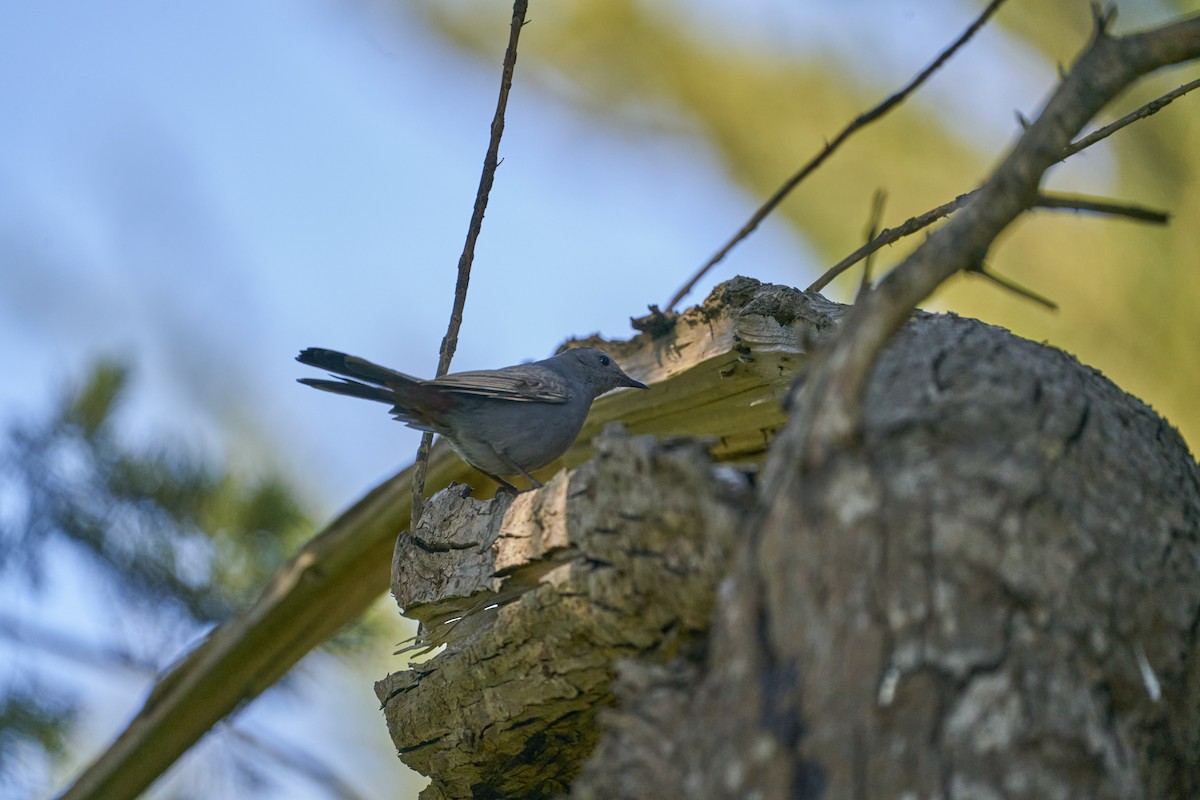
x=858, y=124
x=1151, y=108
x=891, y=235
x=1099, y=206
x=830, y=402
x=1061, y=202
x=490, y=162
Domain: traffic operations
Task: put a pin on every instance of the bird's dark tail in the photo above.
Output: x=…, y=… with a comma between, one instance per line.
x=359, y=375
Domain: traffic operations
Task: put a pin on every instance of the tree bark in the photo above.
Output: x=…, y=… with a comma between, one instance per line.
x=994, y=593
x=540, y=596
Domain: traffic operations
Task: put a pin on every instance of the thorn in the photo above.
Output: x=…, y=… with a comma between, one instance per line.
x=864, y=288
x=877, y=205
x=1103, y=18
x=977, y=263
x=1024, y=123
x=1062, y=71
x=1015, y=288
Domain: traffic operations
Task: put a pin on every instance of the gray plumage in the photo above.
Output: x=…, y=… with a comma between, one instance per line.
x=503, y=422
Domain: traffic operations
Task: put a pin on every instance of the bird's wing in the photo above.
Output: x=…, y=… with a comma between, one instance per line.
x=525, y=384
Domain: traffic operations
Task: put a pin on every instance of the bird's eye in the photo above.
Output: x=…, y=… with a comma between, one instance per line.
x=605, y=361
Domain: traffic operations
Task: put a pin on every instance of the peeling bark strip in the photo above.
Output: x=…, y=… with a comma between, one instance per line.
x=617, y=559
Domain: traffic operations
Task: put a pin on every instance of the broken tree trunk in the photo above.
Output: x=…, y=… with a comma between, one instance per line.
x=1001, y=597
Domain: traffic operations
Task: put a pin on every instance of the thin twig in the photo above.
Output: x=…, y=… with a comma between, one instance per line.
x=1153, y=107
x=890, y=235
x=859, y=123
x=490, y=162
x=877, y=204
x=1014, y=287
x=1098, y=206
x=1069, y=203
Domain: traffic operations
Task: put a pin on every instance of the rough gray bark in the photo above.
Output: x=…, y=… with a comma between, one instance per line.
x=1003, y=600
x=615, y=559
x=996, y=595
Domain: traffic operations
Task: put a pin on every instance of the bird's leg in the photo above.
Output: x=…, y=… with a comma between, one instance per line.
x=505, y=486
x=517, y=468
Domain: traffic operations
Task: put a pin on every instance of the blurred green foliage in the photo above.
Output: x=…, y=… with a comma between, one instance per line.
x=34, y=718
x=172, y=542
x=163, y=525
x=1127, y=292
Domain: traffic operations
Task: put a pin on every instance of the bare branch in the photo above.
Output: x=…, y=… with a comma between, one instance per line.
x=891, y=235
x=490, y=163
x=888, y=236
x=830, y=404
x=877, y=204
x=1151, y=108
x=858, y=124
x=1014, y=287
x=1098, y=206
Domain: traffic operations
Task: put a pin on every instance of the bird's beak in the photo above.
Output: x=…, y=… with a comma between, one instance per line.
x=633, y=384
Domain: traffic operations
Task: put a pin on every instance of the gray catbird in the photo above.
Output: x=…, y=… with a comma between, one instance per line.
x=507, y=421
